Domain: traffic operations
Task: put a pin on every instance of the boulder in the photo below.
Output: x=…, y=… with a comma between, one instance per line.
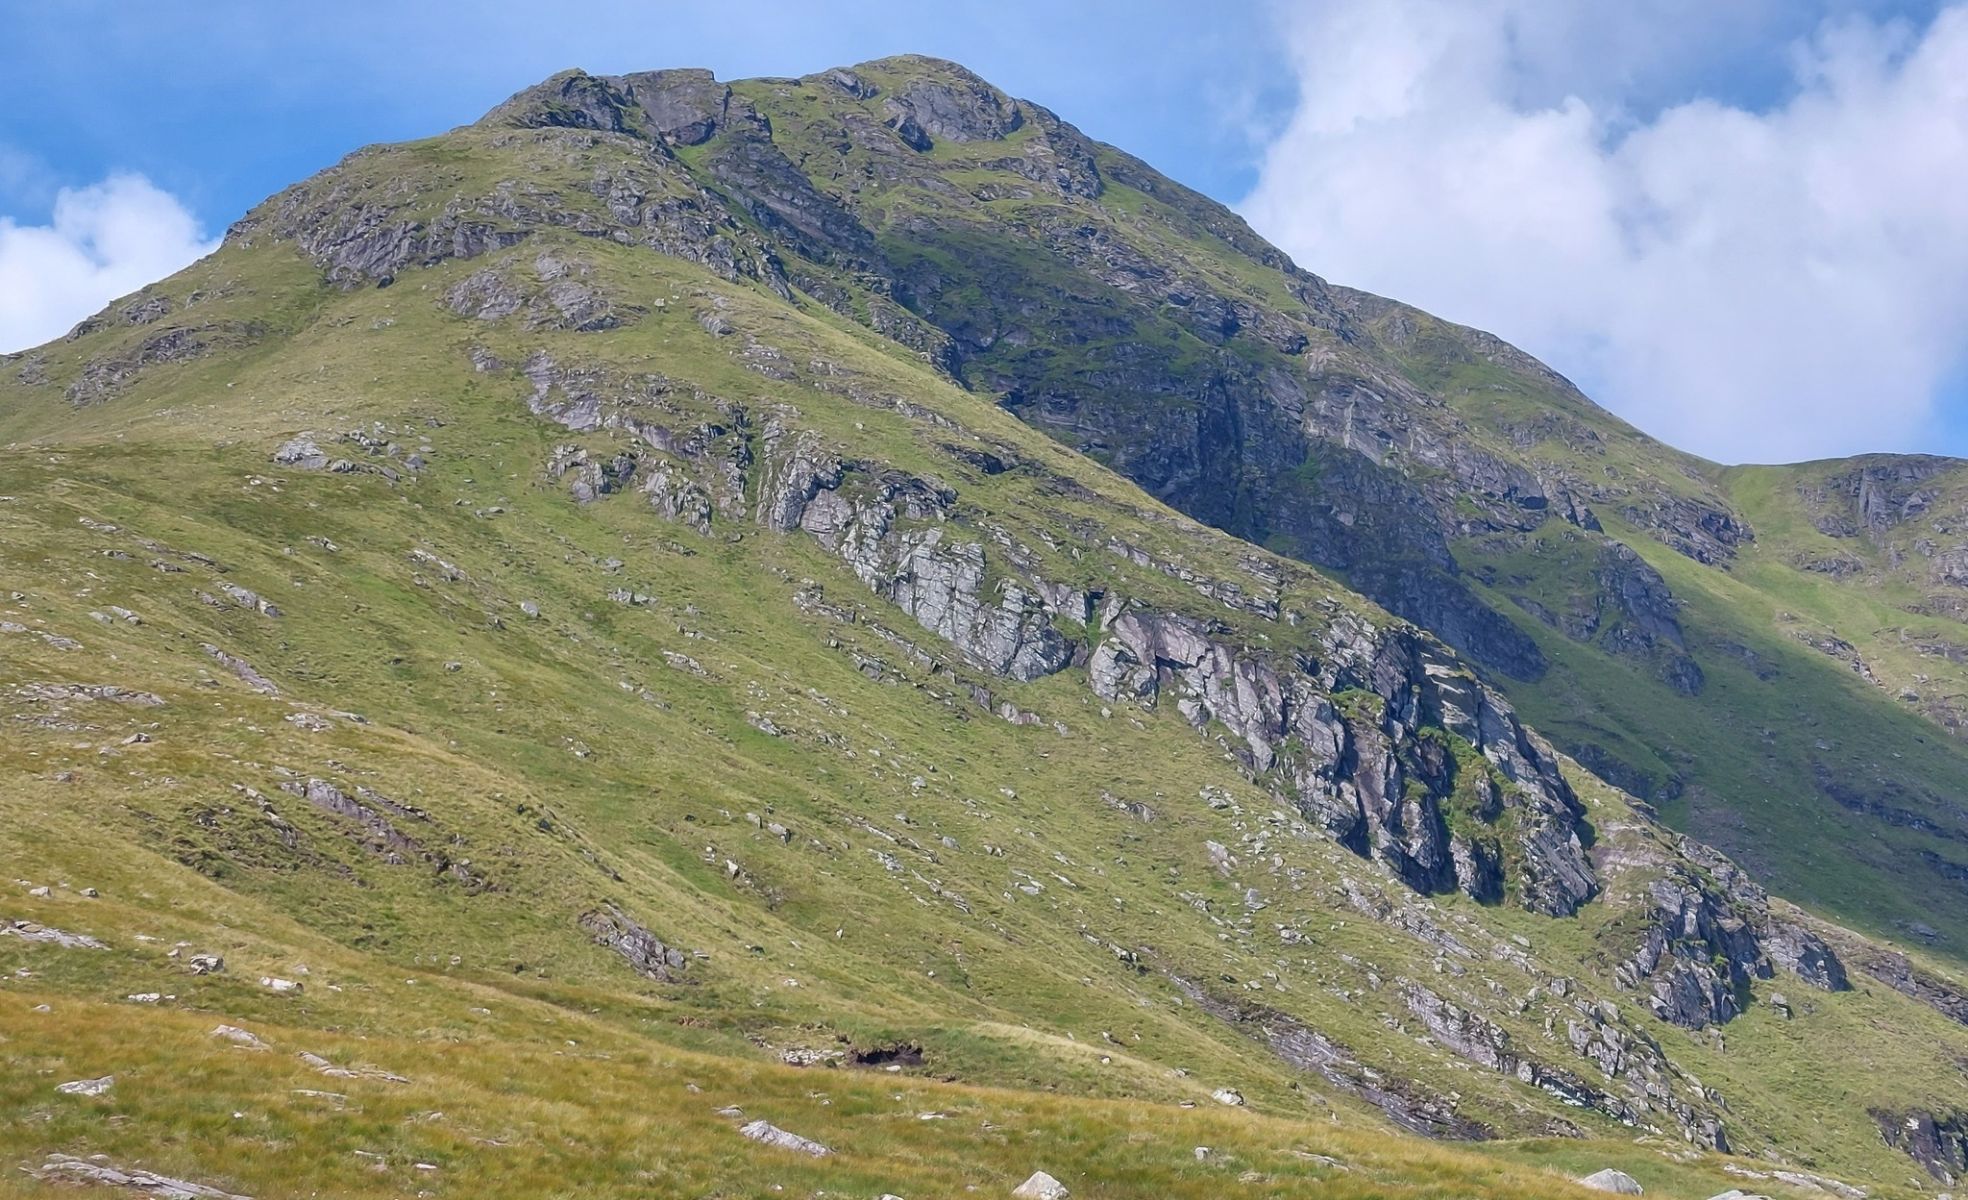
x=1610, y=1180
x=301, y=452
x=1041, y=1186
x=86, y=1087
x=238, y=1037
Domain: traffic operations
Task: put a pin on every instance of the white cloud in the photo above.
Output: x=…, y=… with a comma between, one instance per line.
x=1751, y=285
x=103, y=241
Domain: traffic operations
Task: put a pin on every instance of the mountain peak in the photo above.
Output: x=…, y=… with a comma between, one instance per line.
x=923, y=100
x=852, y=566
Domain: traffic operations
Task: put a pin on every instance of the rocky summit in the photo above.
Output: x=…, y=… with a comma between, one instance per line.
x=835, y=635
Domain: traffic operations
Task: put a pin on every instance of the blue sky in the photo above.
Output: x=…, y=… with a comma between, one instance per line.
x=222, y=102
x=1616, y=188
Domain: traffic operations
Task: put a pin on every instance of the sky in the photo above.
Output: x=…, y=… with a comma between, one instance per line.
x=1740, y=224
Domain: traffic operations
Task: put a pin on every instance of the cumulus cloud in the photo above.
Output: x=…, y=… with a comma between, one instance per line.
x=1754, y=284
x=101, y=242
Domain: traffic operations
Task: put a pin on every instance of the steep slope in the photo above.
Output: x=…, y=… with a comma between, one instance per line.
x=544, y=592
x=1610, y=584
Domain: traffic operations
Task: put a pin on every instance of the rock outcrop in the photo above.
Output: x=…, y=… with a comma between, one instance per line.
x=1405, y=1103
x=1652, y=1088
x=643, y=950
x=1394, y=750
x=1708, y=931
x=69, y=1169
x=1939, y=1143
x=1382, y=739
x=28, y=931
x=771, y=1135
x=1896, y=971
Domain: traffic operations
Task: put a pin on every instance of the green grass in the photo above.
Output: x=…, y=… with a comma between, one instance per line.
x=575, y=765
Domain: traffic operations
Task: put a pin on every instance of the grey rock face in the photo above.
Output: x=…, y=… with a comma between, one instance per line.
x=60, y=692
x=1711, y=930
x=383, y=837
x=33, y=369
x=104, y=377
x=1805, y=954
x=363, y=231
x=376, y=821
x=555, y=297
x=1426, y=748
x=572, y=99
x=958, y=108
x=615, y=929
x=1697, y=955
x=684, y=107
x=1369, y=774
x=1624, y=607
x=1877, y=494
x=1939, y=1143
x=865, y=517
x=1897, y=972
x=590, y=477
x=247, y=598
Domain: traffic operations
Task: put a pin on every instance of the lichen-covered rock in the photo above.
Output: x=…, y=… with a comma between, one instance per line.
x=1806, y=955
x=239, y=1037
x=959, y=107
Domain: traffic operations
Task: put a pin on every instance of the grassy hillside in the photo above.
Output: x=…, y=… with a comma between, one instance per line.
x=317, y=657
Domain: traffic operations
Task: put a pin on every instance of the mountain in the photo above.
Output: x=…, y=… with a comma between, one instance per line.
x=842, y=603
